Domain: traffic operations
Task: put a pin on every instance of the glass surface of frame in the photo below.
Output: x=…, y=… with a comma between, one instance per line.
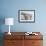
x=26, y=16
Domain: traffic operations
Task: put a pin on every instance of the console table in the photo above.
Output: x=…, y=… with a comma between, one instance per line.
x=21, y=39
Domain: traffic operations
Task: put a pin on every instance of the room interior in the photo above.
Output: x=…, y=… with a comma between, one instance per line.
x=10, y=8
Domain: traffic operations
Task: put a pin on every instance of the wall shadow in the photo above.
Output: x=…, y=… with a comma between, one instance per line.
x=2, y=21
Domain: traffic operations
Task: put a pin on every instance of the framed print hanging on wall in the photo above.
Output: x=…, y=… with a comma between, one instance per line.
x=26, y=16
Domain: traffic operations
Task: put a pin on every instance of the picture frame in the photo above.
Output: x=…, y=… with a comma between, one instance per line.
x=26, y=16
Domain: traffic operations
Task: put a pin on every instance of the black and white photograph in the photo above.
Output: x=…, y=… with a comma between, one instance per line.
x=26, y=16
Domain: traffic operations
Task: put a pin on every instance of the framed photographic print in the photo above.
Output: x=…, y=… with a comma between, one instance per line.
x=26, y=16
